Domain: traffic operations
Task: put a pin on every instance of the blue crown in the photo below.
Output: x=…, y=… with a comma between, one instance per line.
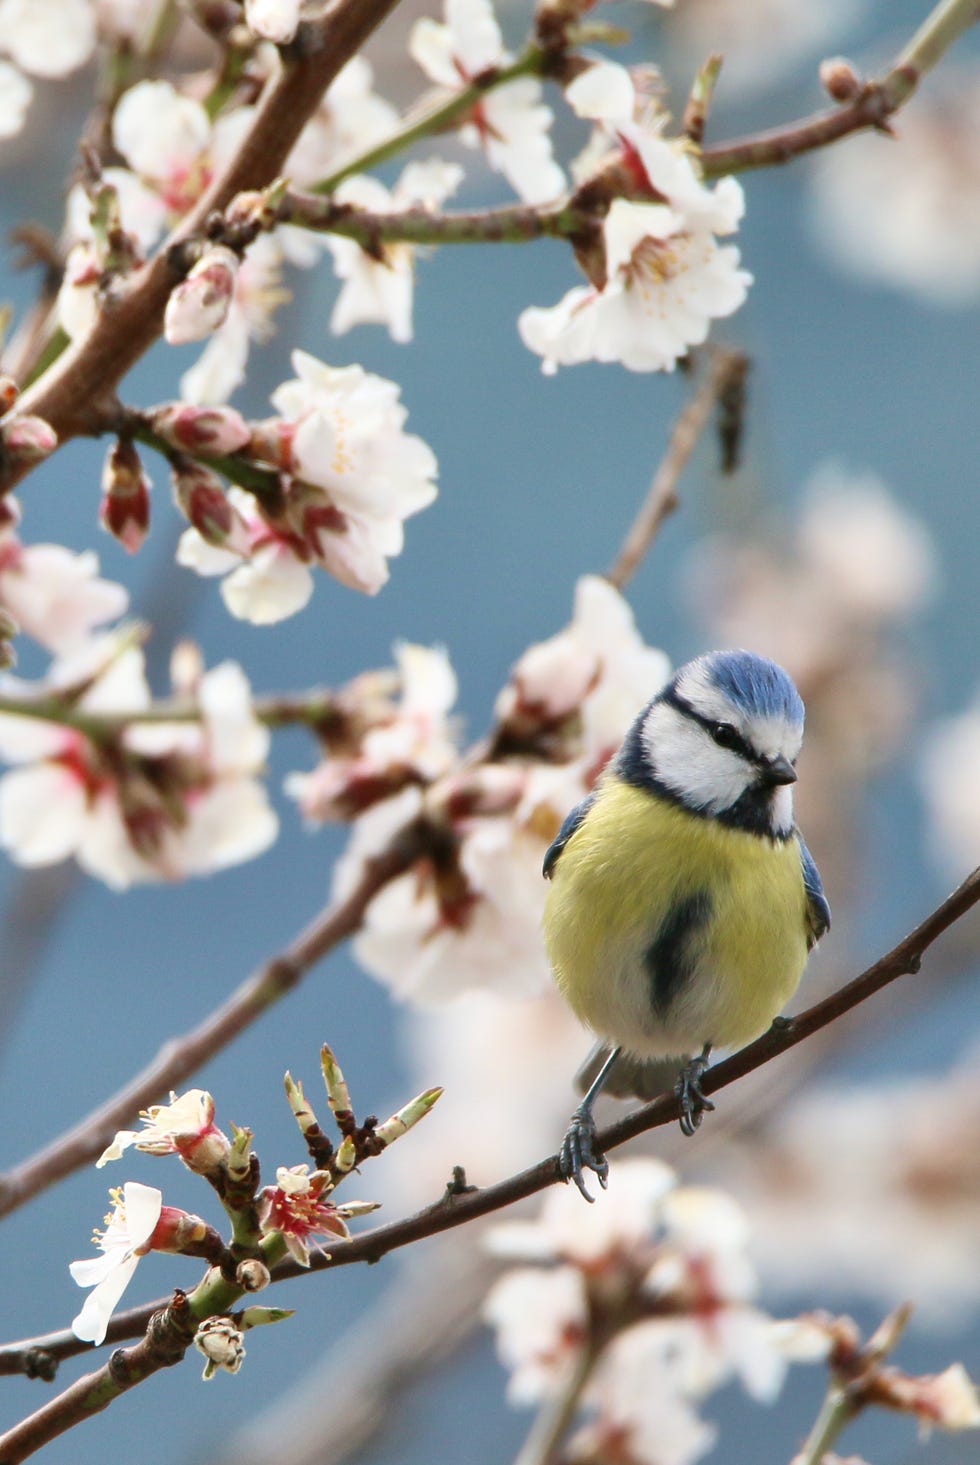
x=755, y=684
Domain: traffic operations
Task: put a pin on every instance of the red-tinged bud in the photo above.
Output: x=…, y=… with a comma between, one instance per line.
x=176, y=1230
x=210, y=430
x=272, y=442
x=257, y=207
x=310, y=514
x=201, y=495
x=840, y=79
x=125, y=508
x=27, y=440
x=490, y=788
x=200, y=303
x=9, y=392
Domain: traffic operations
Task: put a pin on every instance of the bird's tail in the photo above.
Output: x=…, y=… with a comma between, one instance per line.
x=630, y=1077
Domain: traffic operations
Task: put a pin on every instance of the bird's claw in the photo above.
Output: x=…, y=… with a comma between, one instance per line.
x=578, y=1152
x=694, y=1104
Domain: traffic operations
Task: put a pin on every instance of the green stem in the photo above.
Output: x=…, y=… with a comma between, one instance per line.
x=929, y=44
x=263, y=482
x=837, y=1411
x=551, y=1424
x=438, y=119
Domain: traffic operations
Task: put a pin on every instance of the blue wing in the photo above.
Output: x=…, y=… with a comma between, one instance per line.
x=569, y=825
x=817, y=907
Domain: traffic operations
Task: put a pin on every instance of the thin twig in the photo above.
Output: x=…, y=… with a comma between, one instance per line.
x=181, y=1056
x=662, y=497
x=872, y=107
x=456, y=1209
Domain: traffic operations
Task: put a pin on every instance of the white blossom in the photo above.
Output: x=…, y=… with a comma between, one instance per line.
x=54, y=595
x=353, y=477
x=378, y=287
x=950, y=773
x=16, y=93
x=412, y=741
x=171, y=800
x=510, y=122
x=47, y=37
x=665, y=285
x=129, y=1229
x=541, y=1322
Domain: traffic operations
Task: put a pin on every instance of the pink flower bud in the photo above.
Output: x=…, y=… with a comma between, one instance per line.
x=211, y=430
x=200, y=303
x=201, y=495
x=27, y=440
x=839, y=78
x=272, y=442
x=175, y=1231
x=125, y=508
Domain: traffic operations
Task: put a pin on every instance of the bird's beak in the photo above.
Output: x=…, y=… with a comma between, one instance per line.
x=776, y=771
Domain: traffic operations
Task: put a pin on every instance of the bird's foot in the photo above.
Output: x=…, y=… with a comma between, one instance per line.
x=578, y=1152
x=694, y=1105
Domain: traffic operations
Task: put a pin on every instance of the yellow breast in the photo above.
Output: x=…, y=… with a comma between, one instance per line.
x=632, y=863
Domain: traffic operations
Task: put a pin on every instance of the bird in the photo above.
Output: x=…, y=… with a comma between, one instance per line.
x=683, y=902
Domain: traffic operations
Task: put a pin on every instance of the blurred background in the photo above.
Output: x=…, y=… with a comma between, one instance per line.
x=846, y=546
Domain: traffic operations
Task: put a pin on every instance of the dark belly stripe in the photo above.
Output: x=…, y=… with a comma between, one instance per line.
x=671, y=956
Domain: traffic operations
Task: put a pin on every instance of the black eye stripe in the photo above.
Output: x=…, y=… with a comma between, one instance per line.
x=730, y=737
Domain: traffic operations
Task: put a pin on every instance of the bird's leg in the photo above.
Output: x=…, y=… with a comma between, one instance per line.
x=578, y=1149
x=688, y=1090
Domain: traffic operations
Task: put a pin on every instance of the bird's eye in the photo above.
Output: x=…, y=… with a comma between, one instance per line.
x=726, y=736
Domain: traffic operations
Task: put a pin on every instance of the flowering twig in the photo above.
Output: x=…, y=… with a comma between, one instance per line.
x=874, y=104
x=182, y=1055
x=662, y=498
x=73, y=392
x=440, y=118
x=459, y=1206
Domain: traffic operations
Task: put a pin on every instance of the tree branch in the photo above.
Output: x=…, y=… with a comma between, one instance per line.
x=456, y=1208
x=876, y=102
x=178, y=1058
x=661, y=501
x=87, y=374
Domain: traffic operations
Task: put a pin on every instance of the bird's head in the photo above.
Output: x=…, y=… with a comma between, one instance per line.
x=722, y=738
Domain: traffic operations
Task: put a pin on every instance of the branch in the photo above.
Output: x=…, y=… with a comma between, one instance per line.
x=876, y=102
x=181, y=1056
x=459, y=1206
x=727, y=368
x=511, y=224
x=86, y=375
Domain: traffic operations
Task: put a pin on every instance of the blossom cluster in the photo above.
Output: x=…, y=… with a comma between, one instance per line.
x=468, y=913
x=650, y=1295
x=292, y=1216
x=134, y=798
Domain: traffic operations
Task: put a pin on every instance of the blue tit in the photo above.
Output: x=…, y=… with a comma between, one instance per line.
x=683, y=902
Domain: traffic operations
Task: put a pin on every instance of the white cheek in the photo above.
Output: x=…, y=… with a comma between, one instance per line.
x=691, y=764
x=781, y=804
